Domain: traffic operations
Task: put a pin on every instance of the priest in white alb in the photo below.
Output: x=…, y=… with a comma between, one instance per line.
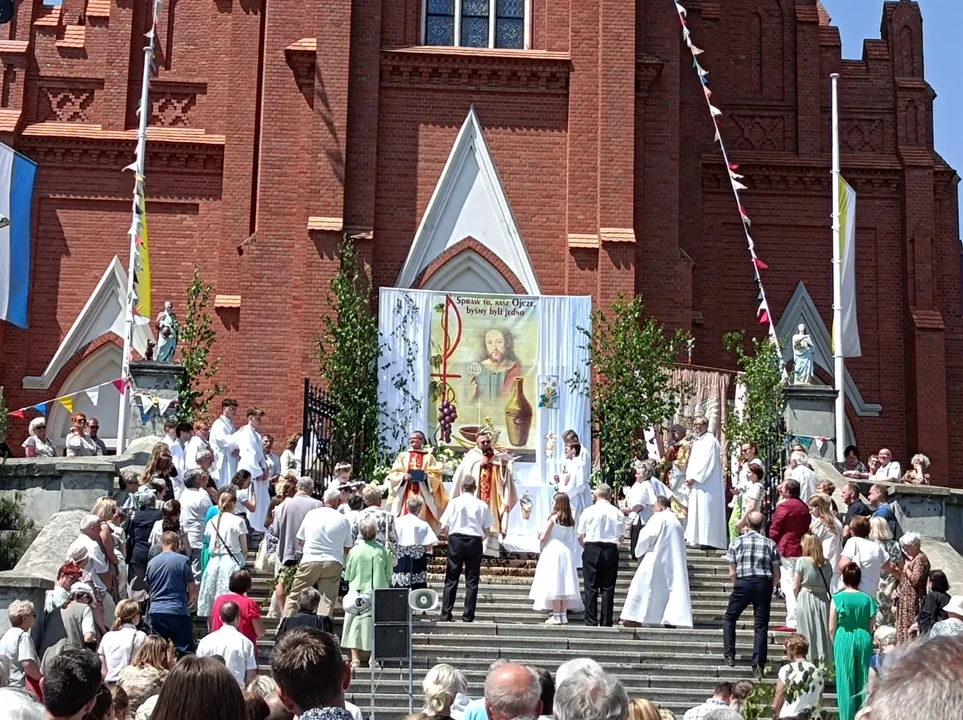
x=495, y=485
x=417, y=472
x=659, y=593
x=223, y=445
x=251, y=446
x=706, y=524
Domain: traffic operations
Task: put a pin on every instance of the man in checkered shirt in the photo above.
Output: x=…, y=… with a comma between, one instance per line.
x=753, y=561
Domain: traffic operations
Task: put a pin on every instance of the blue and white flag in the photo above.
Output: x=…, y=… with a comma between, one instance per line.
x=17, y=174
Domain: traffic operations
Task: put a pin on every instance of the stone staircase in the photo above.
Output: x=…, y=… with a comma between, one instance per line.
x=675, y=668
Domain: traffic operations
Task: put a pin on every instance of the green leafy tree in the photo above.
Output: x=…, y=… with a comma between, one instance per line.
x=16, y=530
x=4, y=418
x=349, y=350
x=196, y=340
x=761, y=423
x=632, y=357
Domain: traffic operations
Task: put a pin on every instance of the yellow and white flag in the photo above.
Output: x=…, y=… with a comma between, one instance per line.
x=847, y=252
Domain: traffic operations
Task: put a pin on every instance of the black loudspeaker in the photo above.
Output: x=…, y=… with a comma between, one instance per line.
x=391, y=630
x=6, y=11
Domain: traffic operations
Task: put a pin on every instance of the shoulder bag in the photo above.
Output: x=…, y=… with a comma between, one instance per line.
x=217, y=533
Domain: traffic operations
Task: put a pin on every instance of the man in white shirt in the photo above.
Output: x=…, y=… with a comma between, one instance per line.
x=195, y=503
x=888, y=470
x=87, y=553
x=720, y=699
x=180, y=454
x=227, y=642
x=467, y=522
x=200, y=441
x=600, y=529
x=325, y=536
x=170, y=433
x=803, y=474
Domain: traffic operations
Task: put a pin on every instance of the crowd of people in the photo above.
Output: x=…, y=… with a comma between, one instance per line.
x=309, y=679
x=173, y=545
x=853, y=593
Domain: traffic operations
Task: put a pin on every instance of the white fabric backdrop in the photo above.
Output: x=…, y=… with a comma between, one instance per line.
x=404, y=323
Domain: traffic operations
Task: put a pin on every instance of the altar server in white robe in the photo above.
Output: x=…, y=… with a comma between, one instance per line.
x=641, y=496
x=223, y=445
x=659, y=593
x=251, y=447
x=573, y=480
x=706, y=525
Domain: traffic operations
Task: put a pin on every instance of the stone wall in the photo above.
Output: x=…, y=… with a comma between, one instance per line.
x=50, y=485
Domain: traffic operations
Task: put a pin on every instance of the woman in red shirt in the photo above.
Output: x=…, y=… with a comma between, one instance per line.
x=251, y=625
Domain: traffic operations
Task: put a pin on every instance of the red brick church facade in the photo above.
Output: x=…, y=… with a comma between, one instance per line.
x=305, y=120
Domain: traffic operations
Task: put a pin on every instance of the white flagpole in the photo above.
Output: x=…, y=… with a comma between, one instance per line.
x=140, y=167
x=839, y=370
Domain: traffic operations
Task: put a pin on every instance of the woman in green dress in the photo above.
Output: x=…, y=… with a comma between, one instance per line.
x=851, y=625
x=813, y=577
x=368, y=568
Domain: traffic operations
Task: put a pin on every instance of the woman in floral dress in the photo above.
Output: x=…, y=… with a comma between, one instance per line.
x=888, y=581
x=912, y=588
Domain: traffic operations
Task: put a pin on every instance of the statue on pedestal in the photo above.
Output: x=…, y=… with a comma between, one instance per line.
x=802, y=357
x=167, y=331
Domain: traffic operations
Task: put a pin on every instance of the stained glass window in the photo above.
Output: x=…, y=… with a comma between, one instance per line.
x=510, y=24
x=440, y=22
x=474, y=23
x=480, y=23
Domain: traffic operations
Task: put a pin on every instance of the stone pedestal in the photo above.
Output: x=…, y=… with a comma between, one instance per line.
x=161, y=380
x=811, y=413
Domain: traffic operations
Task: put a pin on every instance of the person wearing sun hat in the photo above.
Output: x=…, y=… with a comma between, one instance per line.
x=953, y=625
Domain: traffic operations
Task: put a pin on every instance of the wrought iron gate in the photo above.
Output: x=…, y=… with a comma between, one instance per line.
x=317, y=431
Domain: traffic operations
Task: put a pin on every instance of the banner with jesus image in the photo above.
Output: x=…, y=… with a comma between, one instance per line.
x=484, y=363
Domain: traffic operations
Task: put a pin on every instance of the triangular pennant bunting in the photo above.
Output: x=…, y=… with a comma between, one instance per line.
x=68, y=403
x=760, y=264
x=163, y=404
x=764, y=318
x=118, y=384
x=16, y=413
x=716, y=112
x=41, y=408
x=681, y=10
x=695, y=50
x=93, y=395
x=736, y=185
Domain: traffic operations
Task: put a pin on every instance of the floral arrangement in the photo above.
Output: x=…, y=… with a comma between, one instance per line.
x=447, y=458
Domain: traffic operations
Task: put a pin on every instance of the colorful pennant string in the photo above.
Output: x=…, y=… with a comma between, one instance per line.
x=68, y=400
x=715, y=114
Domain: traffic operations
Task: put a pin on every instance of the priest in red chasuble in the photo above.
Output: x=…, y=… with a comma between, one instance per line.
x=417, y=472
x=495, y=484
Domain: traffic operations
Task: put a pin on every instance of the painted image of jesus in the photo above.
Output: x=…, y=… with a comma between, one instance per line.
x=498, y=366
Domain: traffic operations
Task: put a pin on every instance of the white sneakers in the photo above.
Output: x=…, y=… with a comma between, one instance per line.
x=557, y=619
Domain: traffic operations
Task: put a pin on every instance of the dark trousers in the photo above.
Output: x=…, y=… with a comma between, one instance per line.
x=464, y=551
x=177, y=628
x=634, y=533
x=757, y=592
x=600, y=568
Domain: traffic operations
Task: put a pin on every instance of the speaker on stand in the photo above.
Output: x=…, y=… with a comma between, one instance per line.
x=393, y=608
x=392, y=634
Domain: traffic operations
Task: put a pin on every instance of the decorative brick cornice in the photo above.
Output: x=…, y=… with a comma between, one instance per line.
x=476, y=69
x=927, y=319
x=617, y=235
x=794, y=176
x=583, y=240
x=72, y=144
x=325, y=224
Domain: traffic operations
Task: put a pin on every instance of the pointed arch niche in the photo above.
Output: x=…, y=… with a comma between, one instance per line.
x=468, y=239
x=101, y=366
